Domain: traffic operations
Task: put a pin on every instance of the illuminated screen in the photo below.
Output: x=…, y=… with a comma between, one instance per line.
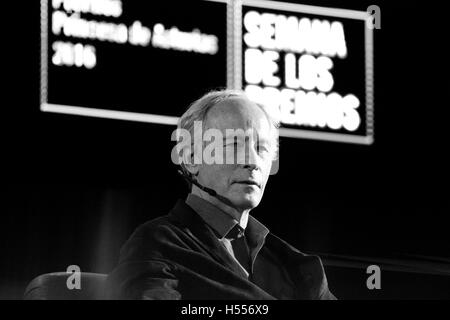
x=131, y=60
x=312, y=66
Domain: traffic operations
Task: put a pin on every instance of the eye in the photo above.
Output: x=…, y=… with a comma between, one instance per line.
x=262, y=147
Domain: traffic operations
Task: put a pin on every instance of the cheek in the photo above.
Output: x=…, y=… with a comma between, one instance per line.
x=218, y=175
x=266, y=168
x=266, y=172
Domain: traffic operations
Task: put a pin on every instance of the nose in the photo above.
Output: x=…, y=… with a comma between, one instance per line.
x=251, y=158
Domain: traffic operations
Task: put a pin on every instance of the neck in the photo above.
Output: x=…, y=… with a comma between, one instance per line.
x=240, y=215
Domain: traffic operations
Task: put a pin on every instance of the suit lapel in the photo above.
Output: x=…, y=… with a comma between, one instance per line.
x=204, y=236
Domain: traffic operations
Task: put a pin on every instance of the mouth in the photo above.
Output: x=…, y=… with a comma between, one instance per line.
x=249, y=183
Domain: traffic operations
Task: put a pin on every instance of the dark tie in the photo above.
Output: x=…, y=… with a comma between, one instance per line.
x=240, y=248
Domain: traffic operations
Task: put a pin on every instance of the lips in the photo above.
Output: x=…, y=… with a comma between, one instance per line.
x=249, y=182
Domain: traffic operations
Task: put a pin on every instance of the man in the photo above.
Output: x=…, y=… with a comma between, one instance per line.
x=209, y=246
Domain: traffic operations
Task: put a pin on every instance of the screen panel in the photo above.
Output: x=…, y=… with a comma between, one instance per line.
x=131, y=60
x=312, y=66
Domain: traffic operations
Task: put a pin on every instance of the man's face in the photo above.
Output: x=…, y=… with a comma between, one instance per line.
x=242, y=182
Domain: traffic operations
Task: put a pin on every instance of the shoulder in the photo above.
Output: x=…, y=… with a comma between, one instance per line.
x=152, y=238
x=154, y=228
x=306, y=260
x=308, y=266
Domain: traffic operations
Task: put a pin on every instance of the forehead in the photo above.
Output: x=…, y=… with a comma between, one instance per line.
x=238, y=113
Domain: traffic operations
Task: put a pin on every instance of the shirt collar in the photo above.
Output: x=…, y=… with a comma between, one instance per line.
x=222, y=223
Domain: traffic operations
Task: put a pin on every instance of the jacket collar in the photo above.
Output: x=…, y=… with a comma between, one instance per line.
x=187, y=218
x=222, y=223
x=193, y=224
x=301, y=267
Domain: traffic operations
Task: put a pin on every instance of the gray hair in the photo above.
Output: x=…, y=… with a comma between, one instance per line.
x=198, y=110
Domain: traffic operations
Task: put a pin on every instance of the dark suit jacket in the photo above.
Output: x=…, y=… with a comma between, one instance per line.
x=178, y=257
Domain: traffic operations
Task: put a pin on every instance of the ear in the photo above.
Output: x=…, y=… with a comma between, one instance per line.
x=192, y=169
x=276, y=162
x=189, y=165
x=275, y=166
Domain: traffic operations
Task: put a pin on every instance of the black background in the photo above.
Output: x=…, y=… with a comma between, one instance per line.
x=74, y=188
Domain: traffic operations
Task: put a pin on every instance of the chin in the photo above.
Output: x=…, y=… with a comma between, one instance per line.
x=246, y=201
